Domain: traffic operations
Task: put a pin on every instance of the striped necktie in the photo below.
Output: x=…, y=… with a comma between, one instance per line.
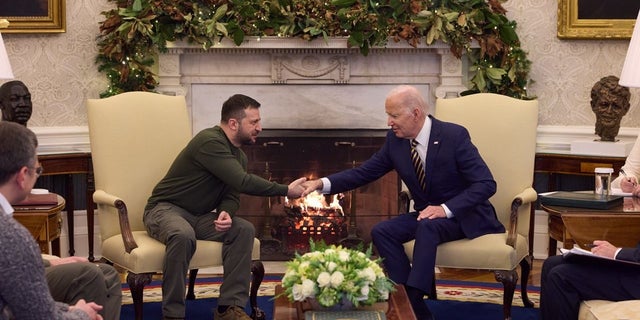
x=417, y=164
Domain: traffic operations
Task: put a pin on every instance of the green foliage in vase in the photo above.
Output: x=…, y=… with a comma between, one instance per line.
x=135, y=31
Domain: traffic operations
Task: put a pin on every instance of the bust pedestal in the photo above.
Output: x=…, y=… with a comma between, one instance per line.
x=601, y=148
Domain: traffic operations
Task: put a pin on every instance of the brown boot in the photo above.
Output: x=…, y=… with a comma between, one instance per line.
x=232, y=313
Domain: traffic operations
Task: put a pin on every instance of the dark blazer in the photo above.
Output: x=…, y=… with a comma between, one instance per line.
x=456, y=175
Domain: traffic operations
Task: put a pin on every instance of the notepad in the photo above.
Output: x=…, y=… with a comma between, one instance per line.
x=580, y=200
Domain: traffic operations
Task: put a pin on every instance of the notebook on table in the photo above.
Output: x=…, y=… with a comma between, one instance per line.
x=580, y=199
x=38, y=200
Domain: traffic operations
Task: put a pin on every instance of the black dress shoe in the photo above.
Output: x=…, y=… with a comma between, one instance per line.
x=420, y=308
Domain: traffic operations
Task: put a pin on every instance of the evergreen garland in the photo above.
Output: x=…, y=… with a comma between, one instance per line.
x=135, y=31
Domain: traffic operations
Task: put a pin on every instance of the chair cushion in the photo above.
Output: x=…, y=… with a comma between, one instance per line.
x=149, y=255
x=609, y=310
x=486, y=252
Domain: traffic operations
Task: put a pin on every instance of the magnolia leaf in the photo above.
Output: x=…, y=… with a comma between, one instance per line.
x=343, y=3
x=508, y=34
x=512, y=74
x=450, y=16
x=495, y=74
x=478, y=80
x=238, y=36
x=431, y=35
x=220, y=12
x=137, y=5
x=425, y=14
x=220, y=27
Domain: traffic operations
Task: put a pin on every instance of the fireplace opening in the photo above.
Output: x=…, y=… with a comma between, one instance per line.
x=311, y=217
x=285, y=226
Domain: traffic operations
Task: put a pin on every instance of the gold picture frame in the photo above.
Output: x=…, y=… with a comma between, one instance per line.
x=34, y=16
x=607, y=26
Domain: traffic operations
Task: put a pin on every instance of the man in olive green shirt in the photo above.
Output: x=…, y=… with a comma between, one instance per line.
x=198, y=199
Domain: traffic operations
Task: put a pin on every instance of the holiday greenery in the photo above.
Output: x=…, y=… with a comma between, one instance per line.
x=134, y=33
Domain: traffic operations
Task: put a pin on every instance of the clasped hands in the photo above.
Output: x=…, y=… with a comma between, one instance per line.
x=302, y=187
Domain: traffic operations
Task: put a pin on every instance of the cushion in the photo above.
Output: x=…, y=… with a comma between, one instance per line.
x=609, y=310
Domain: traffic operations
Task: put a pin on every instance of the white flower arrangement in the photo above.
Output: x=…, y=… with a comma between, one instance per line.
x=334, y=274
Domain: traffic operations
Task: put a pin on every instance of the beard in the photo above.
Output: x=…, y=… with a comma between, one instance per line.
x=246, y=139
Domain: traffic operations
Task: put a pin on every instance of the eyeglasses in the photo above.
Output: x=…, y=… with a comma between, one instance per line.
x=38, y=170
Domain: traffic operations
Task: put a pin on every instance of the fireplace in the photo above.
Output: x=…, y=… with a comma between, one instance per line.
x=322, y=109
x=285, y=155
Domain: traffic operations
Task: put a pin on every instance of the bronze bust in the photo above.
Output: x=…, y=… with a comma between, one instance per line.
x=15, y=102
x=610, y=102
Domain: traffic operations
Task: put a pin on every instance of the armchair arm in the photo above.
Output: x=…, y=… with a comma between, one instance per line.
x=102, y=198
x=404, y=201
x=527, y=196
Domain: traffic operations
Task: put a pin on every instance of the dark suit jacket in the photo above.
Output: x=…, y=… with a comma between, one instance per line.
x=456, y=175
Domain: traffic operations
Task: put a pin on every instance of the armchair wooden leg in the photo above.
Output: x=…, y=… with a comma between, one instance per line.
x=257, y=275
x=193, y=274
x=509, y=278
x=525, y=265
x=136, y=284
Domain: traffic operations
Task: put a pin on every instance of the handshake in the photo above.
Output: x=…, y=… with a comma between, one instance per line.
x=301, y=187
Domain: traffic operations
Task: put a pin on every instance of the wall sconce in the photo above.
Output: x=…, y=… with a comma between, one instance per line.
x=5, y=65
x=630, y=76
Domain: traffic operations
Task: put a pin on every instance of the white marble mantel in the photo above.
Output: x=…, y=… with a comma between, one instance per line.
x=306, y=84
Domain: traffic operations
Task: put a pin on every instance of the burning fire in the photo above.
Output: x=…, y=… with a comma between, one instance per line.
x=314, y=204
x=314, y=213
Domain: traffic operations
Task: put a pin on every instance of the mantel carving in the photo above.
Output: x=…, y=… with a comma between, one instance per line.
x=304, y=67
x=317, y=65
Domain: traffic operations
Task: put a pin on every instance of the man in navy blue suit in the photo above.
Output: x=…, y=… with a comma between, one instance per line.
x=565, y=282
x=453, y=203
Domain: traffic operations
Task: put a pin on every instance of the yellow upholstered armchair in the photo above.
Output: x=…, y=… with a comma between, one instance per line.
x=504, y=131
x=135, y=137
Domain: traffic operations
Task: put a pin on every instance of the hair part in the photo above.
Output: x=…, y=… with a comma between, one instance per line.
x=17, y=149
x=235, y=106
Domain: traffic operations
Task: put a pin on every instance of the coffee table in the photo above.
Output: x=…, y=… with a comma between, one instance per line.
x=399, y=307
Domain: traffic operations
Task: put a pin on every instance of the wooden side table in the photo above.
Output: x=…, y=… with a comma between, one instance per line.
x=399, y=306
x=68, y=164
x=555, y=164
x=619, y=225
x=44, y=223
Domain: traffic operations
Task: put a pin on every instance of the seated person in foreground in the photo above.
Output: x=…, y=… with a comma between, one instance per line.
x=566, y=282
x=24, y=293
x=73, y=278
x=627, y=180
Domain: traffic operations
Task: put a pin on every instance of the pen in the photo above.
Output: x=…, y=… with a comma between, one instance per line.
x=626, y=176
x=590, y=245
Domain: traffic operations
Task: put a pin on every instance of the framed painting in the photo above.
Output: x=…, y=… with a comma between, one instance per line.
x=597, y=19
x=33, y=16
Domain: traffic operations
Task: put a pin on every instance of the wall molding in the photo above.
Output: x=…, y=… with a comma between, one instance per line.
x=551, y=139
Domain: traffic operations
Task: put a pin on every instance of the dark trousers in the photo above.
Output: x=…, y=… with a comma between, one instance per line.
x=567, y=282
x=179, y=230
x=388, y=237
x=93, y=282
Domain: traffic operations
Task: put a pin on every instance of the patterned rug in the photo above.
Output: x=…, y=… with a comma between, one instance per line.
x=447, y=290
